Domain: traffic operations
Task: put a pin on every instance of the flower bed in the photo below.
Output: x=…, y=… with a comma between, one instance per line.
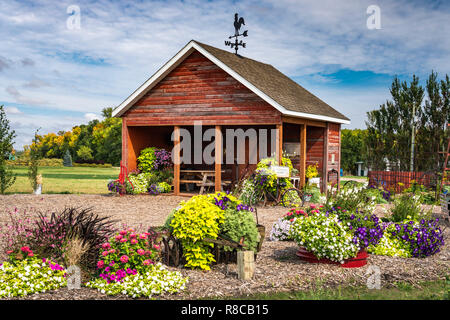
x=325, y=232
x=26, y=274
x=153, y=176
x=126, y=263
x=156, y=280
x=325, y=236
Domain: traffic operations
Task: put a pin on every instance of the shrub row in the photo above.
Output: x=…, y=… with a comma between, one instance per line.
x=93, y=165
x=45, y=162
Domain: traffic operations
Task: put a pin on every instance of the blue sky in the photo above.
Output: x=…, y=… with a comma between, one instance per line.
x=55, y=77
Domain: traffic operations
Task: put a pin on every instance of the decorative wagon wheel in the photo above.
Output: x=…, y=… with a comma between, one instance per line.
x=172, y=251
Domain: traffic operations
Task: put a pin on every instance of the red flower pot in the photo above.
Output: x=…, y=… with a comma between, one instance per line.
x=356, y=262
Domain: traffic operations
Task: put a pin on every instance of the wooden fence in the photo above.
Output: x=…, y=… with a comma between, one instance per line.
x=400, y=180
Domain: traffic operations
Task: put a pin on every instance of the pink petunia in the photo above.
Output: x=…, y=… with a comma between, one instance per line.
x=123, y=240
x=123, y=232
x=106, y=245
x=147, y=262
x=105, y=253
x=134, y=241
x=124, y=259
x=141, y=252
x=142, y=236
x=100, y=264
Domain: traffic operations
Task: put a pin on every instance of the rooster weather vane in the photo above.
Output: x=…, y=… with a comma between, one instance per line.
x=237, y=26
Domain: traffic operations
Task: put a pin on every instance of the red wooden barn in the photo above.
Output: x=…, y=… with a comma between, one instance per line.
x=226, y=91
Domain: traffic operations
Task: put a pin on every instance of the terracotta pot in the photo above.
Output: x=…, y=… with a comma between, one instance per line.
x=356, y=262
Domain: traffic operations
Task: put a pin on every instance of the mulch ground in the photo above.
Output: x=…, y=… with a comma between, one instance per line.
x=277, y=266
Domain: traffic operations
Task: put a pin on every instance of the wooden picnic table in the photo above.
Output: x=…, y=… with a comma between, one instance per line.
x=201, y=178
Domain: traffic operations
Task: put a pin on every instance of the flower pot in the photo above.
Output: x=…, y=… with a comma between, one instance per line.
x=356, y=262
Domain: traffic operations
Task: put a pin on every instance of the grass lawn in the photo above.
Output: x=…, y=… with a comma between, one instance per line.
x=429, y=290
x=66, y=179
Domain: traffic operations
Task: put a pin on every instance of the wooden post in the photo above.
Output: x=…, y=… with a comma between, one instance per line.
x=302, y=155
x=245, y=264
x=125, y=142
x=339, y=161
x=218, y=159
x=177, y=160
x=325, y=161
x=279, y=151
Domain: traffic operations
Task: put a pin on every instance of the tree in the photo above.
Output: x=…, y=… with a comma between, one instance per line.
x=107, y=112
x=7, y=177
x=84, y=153
x=33, y=167
x=353, y=148
x=67, y=160
x=407, y=133
x=432, y=135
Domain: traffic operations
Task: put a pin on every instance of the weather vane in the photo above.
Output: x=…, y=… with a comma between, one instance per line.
x=237, y=26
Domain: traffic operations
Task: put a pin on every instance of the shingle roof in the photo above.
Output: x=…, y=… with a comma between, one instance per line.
x=275, y=84
x=270, y=84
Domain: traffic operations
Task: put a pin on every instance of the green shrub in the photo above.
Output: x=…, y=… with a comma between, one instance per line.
x=146, y=160
x=352, y=199
x=240, y=224
x=407, y=206
x=197, y=219
x=44, y=162
x=165, y=187
x=85, y=153
x=140, y=183
x=93, y=165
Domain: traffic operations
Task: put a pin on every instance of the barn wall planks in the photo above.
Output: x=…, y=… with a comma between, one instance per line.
x=314, y=147
x=199, y=90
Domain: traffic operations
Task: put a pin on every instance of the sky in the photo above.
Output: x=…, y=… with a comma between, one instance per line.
x=62, y=62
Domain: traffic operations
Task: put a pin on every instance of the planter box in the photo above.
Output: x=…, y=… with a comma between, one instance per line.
x=314, y=181
x=356, y=262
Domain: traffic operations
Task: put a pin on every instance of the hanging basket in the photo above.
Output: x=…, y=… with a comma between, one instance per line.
x=356, y=262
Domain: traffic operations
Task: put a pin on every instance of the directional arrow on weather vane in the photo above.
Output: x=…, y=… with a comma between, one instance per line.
x=238, y=22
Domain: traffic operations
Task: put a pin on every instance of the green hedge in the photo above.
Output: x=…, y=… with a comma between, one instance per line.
x=45, y=162
x=92, y=165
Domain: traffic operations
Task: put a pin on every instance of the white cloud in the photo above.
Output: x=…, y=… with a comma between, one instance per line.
x=20, y=98
x=91, y=116
x=12, y=110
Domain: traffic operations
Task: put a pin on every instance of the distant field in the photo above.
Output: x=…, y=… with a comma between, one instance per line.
x=66, y=179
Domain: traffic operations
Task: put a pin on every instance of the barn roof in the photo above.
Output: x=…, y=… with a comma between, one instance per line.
x=263, y=79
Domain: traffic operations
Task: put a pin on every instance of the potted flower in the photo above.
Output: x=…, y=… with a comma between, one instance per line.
x=312, y=174
x=323, y=238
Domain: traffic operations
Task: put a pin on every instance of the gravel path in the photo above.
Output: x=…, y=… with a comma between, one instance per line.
x=277, y=267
